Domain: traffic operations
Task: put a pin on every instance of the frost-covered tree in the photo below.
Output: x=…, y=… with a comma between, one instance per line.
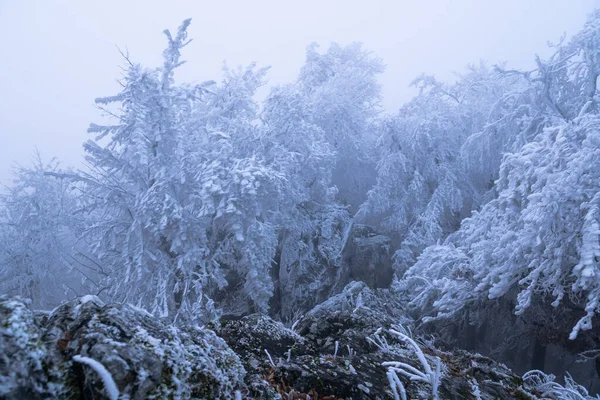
x=311, y=220
x=537, y=240
x=439, y=156
x=189, y=192
x=318, y=131
x=343, y=96
x=175, y=196
x=37, y=233
x=540, y=234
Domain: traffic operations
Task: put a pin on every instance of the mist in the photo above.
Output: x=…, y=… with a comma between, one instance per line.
x=61, y=55
x=260, y=200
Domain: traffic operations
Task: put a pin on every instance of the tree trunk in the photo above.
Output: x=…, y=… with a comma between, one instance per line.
x=539, y=355
x=470, y=332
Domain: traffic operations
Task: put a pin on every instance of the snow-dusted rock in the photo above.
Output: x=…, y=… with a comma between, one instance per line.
x=329, y=355
x=143, y=357
x=22, y=352
x=86, y=349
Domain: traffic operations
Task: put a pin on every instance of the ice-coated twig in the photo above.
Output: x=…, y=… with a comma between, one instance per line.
x=545, y=384
x=396, y=385
x=379, y=341
x=358, y=303
x=270, y=358
x=427, y=375
x=293, y=328
x=105, y=376
x=350, y=351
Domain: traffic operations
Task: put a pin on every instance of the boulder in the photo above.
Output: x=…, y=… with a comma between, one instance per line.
x=144, y=358
x=332, y=352
x=367, y=257
x=22, y=352
x=86, y=349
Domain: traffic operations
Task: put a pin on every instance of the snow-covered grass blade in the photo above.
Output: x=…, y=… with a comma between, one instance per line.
x=427, y=375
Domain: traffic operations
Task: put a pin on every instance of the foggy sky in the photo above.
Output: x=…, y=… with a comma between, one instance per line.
x=57, y=56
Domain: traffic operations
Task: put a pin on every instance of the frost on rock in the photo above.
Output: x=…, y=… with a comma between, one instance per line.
x=285, y=364
x=21, y=352
x=263, y=344
x=358, y=296
x=84, y=350
x=144, y=358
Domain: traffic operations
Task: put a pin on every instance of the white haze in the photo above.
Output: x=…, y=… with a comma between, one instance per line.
x=57, y=56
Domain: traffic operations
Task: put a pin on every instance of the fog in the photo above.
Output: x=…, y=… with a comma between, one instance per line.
x=57, y=56
x=375, y=237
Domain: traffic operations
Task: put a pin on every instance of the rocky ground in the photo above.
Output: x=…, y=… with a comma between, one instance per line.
x=90, y=350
